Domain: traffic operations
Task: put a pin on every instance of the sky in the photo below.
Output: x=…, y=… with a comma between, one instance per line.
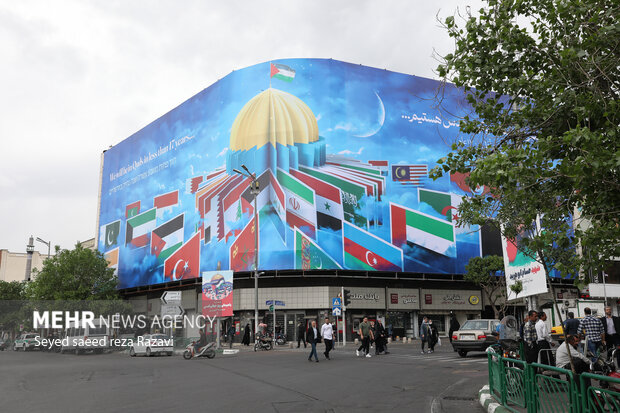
x=80, y=76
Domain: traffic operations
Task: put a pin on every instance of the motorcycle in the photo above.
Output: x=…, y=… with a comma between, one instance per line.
x=280, y=339
x=207, y=351
x=264, y=342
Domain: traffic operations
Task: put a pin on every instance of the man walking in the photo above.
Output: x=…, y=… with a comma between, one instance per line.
x=594, y=332
x=301, y=333
x=454, y=326
x=424, y=333
x=530, y=337
x=365, y=335
x=611, y=326
x=313, y=338
x=327, y=332
x=544, y=340
x=571, y=325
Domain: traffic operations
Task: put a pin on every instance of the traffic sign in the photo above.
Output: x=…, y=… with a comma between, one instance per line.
x=172, y=310
x=271, y=307
x=272, y=302
x=336, y=303
x=170, y=297
x=337, y=311
x=280, y=303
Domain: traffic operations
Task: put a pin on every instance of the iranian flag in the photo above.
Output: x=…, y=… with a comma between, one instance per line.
x=414, y=227
x=168, y=237
x=300, y=204
x=329, y=211
x=138, y=229
x=309, y=256
x=282, y=72
x=444, y=203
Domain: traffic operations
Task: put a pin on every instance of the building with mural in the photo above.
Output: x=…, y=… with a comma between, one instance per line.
x=341, y=154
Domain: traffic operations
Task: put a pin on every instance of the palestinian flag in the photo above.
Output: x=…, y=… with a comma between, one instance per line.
x=112, y=258
x=414, y=227
x=282, y=72
x=444, y=203
x=167, y=238
x=309, y=256
x=365, y=251
x=108, y=234
x=300, y=204
x=184, y=263
x=329, y=211
x=242, y=251
x=139, y=227
x=132, y=209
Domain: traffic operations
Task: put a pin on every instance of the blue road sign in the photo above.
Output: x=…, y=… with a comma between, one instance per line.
x=336, y=303
x=276, y=302
x=269, y=302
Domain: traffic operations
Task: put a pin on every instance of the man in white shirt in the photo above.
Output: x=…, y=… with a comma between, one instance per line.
x=327, y=332
x=581, y=362
x=544, y=340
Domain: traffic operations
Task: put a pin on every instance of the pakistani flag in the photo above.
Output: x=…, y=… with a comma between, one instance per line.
x=309, y=256
x=109, y=234
x=167, y=238
x=282, y=72
x=414, y=227
x=139, y=228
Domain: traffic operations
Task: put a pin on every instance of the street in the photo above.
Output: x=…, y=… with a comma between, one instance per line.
x=281, y=380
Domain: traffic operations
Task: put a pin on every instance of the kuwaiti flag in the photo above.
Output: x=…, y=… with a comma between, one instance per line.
x=132, y=209
x=167, y=238
x=108, y=234
x=282, y=72
x=138, y=228
x=414, y=227
x=365, y=251
x=329, y=211
x=309, y=256
x=166, y=202
x=300, y=203
x=112, y=258
x=184, y=263
x=443, y=202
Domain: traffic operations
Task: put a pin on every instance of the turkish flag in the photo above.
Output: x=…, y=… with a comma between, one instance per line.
x=185, y=262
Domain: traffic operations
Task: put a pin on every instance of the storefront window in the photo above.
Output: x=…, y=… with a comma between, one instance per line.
x=439, y=320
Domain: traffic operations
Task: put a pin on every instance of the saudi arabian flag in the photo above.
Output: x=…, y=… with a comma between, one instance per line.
x=282, y=72
x=309, y=256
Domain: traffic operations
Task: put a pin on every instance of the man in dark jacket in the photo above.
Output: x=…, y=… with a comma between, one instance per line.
x=301, y=333
x=313, y=336
x=571, y=325
x=611, y=325
x=454, y=326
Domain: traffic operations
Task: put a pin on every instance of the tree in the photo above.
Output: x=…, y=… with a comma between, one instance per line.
x=482, y=271
x=78, y=274
x=543, y=78
x=13, y=290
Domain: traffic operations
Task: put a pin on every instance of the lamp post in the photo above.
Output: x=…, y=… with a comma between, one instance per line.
x=254, y=190
x=48, y=243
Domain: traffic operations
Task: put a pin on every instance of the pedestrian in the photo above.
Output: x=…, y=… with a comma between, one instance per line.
x=611, y=326
x=390, y=331
x=246, y=335
x=525, y=320
x=313, y=338
x=373, y=333
x=327, y=332
x=454, y=326
x=530, y=337
x=424, y=333
x=571, y=325
x=301, y=333
x=380, y=339
x=231, y=334
x=365, y=335
x=580, y=362
x=433, y=336
x=544, y=340
x=594, y=332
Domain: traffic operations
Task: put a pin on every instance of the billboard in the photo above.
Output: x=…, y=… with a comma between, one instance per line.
x=341, y=154
x=217, y=293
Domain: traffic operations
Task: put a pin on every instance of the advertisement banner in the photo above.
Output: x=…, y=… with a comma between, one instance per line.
x=217, y=293
x=341, y=154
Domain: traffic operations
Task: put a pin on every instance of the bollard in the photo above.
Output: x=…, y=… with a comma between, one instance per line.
x=389, y=340
x=356, y=341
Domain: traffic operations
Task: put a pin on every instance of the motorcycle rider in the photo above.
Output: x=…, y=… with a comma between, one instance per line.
x=201, y=342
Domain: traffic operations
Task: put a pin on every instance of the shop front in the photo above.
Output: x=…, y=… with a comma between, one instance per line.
x=403, y=304
x=365, y=302
x=437, y=305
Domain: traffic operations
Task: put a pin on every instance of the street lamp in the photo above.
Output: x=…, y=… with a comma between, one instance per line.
x=48, y=243
x=254, y=190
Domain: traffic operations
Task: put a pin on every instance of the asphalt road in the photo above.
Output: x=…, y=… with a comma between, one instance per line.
x=280, y=380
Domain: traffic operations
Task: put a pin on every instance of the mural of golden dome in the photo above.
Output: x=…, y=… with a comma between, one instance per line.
x=273, y=116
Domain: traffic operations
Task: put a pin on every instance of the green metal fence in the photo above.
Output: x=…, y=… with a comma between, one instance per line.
x=538, y=388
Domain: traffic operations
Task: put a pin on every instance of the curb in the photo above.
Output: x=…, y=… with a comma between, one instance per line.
x=488, y=402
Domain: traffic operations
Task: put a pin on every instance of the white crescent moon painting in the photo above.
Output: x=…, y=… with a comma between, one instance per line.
x=174, y=271
x=380, y=121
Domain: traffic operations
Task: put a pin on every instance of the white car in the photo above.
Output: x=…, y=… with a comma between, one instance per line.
x=27, y=341
x=150, y=344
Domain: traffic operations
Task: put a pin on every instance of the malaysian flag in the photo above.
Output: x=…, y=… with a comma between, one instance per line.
x=410, y=174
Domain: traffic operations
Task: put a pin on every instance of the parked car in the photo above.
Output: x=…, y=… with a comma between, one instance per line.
x=475, y=335
x=150, y=344
x=557, y=332
x=26, y=341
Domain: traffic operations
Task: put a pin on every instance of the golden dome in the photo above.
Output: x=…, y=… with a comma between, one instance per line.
x=273, y=116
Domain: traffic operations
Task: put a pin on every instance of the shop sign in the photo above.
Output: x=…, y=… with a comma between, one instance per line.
x=367, y=296
x=394, y=298
x=452, y=300
x=403, y=299
x=428, y=298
